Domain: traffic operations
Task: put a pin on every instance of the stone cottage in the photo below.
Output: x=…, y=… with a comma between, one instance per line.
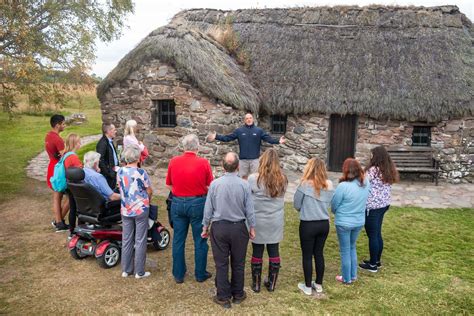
x=336, y=81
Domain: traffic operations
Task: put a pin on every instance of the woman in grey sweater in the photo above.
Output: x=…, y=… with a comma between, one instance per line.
x=312, y=199
x=268, y=189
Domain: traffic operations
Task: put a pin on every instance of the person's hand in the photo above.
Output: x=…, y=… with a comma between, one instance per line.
x=252, y=233
x=205, y=233
x=282, y=140
x=211, y=136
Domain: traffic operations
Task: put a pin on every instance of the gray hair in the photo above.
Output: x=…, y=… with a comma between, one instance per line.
x=230, y=162
x=91, y=158
x=131, y=154
x=191, y=142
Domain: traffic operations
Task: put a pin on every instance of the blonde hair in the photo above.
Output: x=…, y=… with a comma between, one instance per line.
x=270, y=174
x=71, y=142
x=130, y=127
x=315, y=174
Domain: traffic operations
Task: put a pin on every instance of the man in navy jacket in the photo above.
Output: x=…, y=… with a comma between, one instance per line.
x=249, y=137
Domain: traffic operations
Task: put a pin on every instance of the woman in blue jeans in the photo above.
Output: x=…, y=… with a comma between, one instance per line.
x=348, y=205
x=382, y=173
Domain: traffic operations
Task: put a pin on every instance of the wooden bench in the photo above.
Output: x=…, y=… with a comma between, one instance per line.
x=415, y=160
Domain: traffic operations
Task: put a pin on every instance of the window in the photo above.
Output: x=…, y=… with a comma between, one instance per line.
x=165, y=114
x=278, y=124
x=421, y=136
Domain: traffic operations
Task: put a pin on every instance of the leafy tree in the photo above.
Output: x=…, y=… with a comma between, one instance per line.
x=39, y=37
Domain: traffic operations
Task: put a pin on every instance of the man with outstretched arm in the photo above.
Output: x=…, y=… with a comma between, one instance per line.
x=250, y=138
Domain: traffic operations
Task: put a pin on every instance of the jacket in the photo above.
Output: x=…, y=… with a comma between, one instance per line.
x=311, y=206
x=106, y=163
x=250, y=138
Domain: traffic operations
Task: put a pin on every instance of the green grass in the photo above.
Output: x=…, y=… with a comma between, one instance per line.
x=84, y=149
x=428, y=264
x=23, y=138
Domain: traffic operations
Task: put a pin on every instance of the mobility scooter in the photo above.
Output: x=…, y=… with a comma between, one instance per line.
x=99, y=233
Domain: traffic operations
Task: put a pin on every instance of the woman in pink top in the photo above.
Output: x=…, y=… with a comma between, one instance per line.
x=131, y=139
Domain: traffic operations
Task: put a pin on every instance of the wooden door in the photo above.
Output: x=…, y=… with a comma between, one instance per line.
x=342, y=130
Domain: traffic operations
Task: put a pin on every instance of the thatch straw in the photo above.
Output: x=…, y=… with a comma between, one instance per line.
x=410, y=63
x=198, y=57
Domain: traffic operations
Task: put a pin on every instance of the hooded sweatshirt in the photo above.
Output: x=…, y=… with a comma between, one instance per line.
x=311, y=206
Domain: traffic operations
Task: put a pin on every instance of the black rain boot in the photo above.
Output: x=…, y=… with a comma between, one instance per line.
x=270, y=282
x=256, y=276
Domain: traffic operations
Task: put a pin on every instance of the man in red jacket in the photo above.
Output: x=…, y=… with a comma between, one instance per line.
x=54, y=146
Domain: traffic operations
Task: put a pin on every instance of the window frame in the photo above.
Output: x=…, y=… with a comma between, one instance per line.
x=160, y=113
x=278, y=120
x=419, y=135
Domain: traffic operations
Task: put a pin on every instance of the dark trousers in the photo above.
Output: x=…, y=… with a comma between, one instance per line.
x=373, y=228
x=185, y=212
x=229, y=239
x=313, y=236
x=112, y=182
x=272, y=250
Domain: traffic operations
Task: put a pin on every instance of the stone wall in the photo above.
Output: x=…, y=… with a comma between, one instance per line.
x=452, y=141
x=307, y=135
x=196, y=113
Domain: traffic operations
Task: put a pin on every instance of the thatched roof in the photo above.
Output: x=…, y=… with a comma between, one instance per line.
x=197, y=57
x=400, y=62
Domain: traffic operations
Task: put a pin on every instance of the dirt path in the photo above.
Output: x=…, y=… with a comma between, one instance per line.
x=37, y=274
x=38, y=166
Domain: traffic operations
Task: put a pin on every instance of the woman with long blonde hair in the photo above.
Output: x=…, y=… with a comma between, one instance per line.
x=130, y=138
x=268, y=190
x=312, y=199
x=71, y=146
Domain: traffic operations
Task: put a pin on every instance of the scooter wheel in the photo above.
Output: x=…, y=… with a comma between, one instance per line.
x=76, y=254
x=165, y=240
x=110, y=258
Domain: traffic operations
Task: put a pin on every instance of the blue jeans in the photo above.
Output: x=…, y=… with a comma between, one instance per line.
x=373, y=228
x=347, y=248
x=185, y=211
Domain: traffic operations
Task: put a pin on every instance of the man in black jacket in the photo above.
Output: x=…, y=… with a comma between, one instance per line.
x=109, y=160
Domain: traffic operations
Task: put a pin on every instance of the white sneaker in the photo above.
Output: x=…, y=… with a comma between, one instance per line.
x=317, y=287
x=145, y=275
x=125, y=274
x=306, y=290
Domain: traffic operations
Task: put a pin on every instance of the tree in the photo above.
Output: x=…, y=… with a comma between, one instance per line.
x=38, y=37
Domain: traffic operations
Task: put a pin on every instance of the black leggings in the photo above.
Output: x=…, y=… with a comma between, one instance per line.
x=272, y=250
x=313, y=236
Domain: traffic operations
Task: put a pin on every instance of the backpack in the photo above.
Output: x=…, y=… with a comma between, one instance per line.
x=58, y=180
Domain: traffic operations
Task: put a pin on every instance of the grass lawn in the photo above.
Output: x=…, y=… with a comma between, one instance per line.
x=427, y=269
x=23, y=138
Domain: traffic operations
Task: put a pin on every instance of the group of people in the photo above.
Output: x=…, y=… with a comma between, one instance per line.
x=245, y=204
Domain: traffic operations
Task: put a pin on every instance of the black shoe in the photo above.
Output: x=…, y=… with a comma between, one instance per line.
x=179, y=281
x=368, y=267
x=379, y=264
x=61, y=227
x=239, y=299
x=224, y=303
x=53, y=223
x=208, y=276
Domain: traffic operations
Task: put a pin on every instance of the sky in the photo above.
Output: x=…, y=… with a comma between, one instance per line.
x=151, y=14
